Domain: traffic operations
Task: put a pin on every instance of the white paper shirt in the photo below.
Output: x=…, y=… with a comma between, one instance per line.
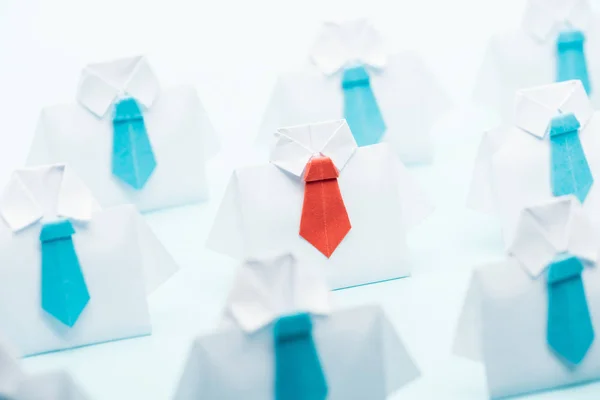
x=359, y=350
x=81, y=135
x=262, y=206
x=408, y=95
x=527, y=57
x=121, y=260
x=504, y=319
x=512, y=170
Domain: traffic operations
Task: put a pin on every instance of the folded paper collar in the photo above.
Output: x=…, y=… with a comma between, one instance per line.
x=339, y=45
x=268, y=288
x=23, y=199
x=297, y=144
x=535, y=107
x=543, y=19
x=101, y=84
x=547, y=230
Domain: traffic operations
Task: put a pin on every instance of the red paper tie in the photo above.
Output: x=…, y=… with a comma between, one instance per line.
x=324, y=222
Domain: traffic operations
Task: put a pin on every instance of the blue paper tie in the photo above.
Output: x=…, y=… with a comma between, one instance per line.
x=133, y=159
x=570, y=62
x=64, y=292
x=298, y=371
x=360, y=107
x=570, y=331
x=570, y=172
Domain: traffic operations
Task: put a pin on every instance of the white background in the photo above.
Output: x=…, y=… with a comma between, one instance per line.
x=232, y=51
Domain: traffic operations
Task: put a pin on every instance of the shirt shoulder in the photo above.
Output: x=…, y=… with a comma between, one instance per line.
x=511, y=140
x=260, y=171
x=504, y=278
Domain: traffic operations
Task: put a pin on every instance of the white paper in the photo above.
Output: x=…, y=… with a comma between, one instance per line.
x=559, y=226
x=11, y=374
x=50, y=386
x=181, y=134
x=113, y=249
x=408, y=95
x=261, y=212
x=267, y=288
x=513, y=167
x=360, y=357
x=504, y=319
x=17, y=385
x=527, y=57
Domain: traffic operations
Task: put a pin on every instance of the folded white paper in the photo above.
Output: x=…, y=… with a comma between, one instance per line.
x=81, y=135
x=10, y=371
x=16, y=385
x=121, y=260
x=407, y=93
x=504, y=320
x=359, y=350
x=262, y=207
x=527, y=57
x=513, y=166
x=50, y=386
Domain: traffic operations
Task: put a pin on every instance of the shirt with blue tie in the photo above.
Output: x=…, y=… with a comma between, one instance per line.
x=393, y=98
x=359, y=351
x=549, y=149
x=530, y=318
x=558, y=41
x=279, y=339
x=74, y=274
x=129, y=139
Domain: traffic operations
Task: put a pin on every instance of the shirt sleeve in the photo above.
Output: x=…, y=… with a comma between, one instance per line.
x=400, y=368
x=210, y=139
x=159, y=265
x=468, y=340
x=412, y=101
x=413, y=200
x=480, y=191
x=273, y=117
x=226, y=235
x=488, y=87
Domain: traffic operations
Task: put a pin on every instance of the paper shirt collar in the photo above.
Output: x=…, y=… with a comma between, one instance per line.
x=535, y=107
x=20, y=207
x=543, y=19
x=297, y=144
x=547, y=230
x=101, y=84
x=339, y=45
x=268, y=288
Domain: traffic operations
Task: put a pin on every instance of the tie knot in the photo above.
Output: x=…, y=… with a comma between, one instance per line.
x=127, y=110
x=570, y=40
x=356, y=76
x=56, y=230
x=564, y=123
x=564, y=269
x=320, y=168
x=292, y=327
